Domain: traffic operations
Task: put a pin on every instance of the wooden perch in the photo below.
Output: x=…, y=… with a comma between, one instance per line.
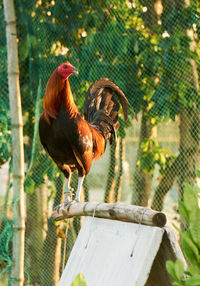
x=117, y=211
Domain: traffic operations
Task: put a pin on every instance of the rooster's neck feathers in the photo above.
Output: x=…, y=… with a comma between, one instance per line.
x=58, y=93
x=70, y=105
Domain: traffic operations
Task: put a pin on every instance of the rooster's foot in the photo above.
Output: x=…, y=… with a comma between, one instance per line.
x=69, y=203
x=57, y=208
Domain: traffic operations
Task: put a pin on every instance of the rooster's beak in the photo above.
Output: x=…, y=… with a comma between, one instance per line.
x=75, y=70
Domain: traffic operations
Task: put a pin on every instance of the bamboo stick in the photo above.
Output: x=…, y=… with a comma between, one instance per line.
x=117, y=211
x=17, y=274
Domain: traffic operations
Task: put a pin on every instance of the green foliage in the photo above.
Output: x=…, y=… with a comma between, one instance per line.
x=5, y=137
x=43, y=165
x=123, y=126
x=176, y=269
x=6, y=235
x=153, y=154
x=190, y=240
x=79, y=280
x=175, y=91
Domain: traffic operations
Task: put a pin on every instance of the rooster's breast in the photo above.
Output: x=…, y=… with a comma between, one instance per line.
x=55, y=138
x=66, y=138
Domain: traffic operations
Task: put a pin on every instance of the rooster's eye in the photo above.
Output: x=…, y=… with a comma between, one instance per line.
x=65, y=66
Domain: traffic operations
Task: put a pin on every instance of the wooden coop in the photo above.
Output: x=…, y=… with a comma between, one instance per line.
x=120, y=245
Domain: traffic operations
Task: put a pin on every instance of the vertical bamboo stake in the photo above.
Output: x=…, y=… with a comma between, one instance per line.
x=109, y=191
x=120, y=170
x=17, y=273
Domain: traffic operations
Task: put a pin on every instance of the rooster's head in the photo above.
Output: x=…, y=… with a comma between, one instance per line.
x=66, y=69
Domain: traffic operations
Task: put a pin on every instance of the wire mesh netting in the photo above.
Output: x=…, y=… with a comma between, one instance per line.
x=150, y=49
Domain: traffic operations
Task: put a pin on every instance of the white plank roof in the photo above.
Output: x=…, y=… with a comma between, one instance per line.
x=113, y=253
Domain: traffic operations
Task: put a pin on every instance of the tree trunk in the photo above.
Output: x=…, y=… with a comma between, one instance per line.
x=142, y=180
x=189, y=147
x=17, y=274
x=166, y=184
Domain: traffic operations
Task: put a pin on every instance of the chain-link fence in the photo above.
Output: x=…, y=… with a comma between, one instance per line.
x=150, y=49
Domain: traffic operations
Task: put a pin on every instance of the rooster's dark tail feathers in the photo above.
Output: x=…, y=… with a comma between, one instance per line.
x=101, y=107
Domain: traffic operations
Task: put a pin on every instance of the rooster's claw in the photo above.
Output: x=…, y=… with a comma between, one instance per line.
x=57, y=208
x=69, y=203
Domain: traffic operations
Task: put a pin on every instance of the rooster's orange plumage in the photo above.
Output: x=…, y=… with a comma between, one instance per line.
x=71, y=140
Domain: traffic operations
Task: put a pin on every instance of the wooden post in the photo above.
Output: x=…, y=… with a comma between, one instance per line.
x=17, y=274
x=117, y=211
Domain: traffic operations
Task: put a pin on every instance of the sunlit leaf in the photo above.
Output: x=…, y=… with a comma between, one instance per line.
x=190, y=249
x=193, y=281
x=179, y=268
x=171, y=269
x=79, y=280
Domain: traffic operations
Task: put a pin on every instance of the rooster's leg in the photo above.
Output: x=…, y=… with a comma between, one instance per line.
x=67, y=191
x=78, y=191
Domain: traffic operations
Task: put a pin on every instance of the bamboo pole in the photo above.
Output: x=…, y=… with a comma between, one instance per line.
x=117, y=211
x=17, y=273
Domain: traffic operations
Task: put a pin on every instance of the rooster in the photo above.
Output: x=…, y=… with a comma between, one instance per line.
x=72, y=141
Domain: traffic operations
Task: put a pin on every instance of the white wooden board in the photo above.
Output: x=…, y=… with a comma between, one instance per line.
x=102, y=252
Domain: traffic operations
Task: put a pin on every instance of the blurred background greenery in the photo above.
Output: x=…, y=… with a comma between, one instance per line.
x=151, y=49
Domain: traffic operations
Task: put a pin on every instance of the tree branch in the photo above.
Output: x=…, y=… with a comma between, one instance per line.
x=117, y=211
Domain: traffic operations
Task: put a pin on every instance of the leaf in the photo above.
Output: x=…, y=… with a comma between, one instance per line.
x=190, y=210
x=156, y=156
x=51, y=172
x=193, y=270
x=189, y=248
x=29, y=185
x=179, y=268
x=79, y=280
x=162, y=158
x=195, y=226
x=25, y=49
x=136, y=47
x=193, y=281
x=183, y=211
x=170, y=266
x=33, y=41
x=198, y=173
x=190, y=198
